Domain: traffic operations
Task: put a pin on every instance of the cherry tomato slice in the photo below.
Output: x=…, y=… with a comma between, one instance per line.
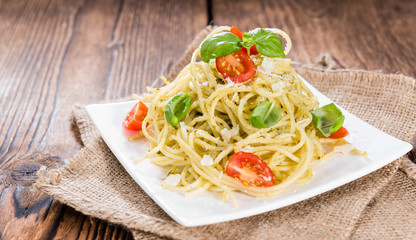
x=238, y=66
x=250, y=169
x=253, y=49
x=135, y=117
x=237, y=32
x=340, y=133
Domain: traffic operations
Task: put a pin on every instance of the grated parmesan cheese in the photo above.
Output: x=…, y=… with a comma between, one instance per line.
x=278, y=87
x=267, y=66
x=173, y=180
x=346, y=148
x=228, y=134
x=207, y=160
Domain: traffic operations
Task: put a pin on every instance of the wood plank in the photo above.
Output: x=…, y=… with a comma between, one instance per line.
x=41, y=40
x=148, y=40
x=373, y=35
x=59, y=53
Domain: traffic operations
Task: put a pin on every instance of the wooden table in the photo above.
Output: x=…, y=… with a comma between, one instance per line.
x=56, y=53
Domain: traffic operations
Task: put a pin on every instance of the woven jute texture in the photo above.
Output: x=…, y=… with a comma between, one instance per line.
x=379, y=205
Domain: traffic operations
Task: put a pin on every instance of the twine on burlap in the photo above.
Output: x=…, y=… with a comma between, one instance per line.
x=379, y=204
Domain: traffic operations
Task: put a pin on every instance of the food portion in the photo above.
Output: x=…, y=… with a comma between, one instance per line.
x=135, y=117
x=238, y=118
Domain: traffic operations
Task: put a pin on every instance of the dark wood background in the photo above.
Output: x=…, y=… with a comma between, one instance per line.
x=57, y=53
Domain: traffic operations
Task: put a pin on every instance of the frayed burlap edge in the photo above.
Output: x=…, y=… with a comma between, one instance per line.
x=52, y=183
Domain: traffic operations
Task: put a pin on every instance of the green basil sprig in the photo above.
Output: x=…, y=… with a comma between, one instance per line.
x=220, y=45
x=265, y=115
x=177, y=108
x=327, y=119
x=267, y=44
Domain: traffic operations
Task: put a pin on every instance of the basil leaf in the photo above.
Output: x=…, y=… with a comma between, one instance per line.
x=265, y=115
x=327, y=119
x=267, y=43
x=177, y=108
x=220, y=45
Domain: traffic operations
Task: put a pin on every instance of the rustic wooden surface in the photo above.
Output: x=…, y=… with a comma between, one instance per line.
x=54, y=54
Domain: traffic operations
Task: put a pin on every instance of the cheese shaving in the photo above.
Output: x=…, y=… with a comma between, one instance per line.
x=228, y=134
x=207, y=160
x=346, y=148
x=173, y=180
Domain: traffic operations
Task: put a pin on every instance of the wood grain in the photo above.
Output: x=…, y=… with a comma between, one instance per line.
x=55, y=54
x=373, y=35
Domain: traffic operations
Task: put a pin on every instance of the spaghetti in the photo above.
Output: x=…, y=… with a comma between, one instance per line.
x=217, y=125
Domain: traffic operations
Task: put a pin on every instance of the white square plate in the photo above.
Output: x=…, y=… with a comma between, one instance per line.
x=207, y=207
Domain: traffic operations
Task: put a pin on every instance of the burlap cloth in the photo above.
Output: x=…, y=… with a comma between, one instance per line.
x=379, y=205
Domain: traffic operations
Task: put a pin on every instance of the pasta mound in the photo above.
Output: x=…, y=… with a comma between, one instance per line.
x=217, y=125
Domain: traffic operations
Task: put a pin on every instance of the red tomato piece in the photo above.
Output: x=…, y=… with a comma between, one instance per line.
x=237, y=32
x=250, y=169
x=238, y=66
x=135, y=117
x=340, y=133
x=253, y=49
